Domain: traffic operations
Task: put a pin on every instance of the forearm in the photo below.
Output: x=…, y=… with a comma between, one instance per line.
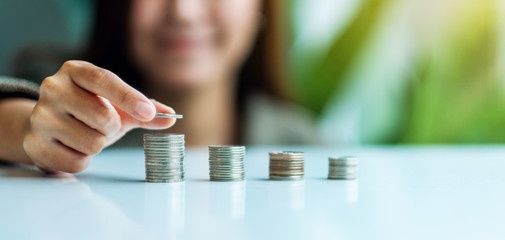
x=14, y=124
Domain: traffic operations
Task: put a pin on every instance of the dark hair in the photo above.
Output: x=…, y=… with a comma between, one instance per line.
x=108, y=49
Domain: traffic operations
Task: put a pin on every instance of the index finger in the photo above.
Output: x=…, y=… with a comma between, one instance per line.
x=108, y=85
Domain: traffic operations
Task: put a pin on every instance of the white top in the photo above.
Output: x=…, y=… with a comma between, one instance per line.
x=401, y=193
x=267, y=121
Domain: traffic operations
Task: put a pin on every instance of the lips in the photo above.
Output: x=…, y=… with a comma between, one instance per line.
x=182, y=44
x=179, y=44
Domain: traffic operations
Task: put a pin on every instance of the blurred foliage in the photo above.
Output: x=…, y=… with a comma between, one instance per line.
x=454, y=94
x=458, y=95
x=320, y=78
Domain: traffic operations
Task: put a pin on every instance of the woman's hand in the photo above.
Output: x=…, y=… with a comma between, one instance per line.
x=81, y=110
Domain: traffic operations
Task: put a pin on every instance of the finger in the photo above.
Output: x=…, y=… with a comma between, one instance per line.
x=95, y=111
x=56, y=174
x=106, y=84
x=65, y=159
x=52, y=156
x=159, y=123
x=156, y=123
x=69, y=131
x=78, y=136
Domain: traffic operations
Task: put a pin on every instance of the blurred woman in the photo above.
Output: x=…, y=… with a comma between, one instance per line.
x=188, y=54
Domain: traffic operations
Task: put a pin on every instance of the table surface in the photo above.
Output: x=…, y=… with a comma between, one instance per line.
x=405, y=192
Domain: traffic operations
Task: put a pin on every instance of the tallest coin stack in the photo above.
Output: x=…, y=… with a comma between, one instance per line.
x=164, y=153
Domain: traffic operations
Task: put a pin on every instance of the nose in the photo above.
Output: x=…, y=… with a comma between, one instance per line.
x=184, y=11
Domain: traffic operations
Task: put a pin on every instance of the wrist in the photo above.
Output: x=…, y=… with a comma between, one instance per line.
x=14, y=128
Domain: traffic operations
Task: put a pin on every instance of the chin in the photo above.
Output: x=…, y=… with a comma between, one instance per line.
x=183, y=81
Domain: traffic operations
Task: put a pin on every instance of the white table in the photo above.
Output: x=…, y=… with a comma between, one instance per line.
x=444, y=192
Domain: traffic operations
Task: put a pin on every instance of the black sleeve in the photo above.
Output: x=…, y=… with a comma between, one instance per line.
x=18, y=88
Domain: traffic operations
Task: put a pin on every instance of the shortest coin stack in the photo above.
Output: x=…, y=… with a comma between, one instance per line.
x=345, y=167
x=287, y=165
x=164, y=155
x=226, y=163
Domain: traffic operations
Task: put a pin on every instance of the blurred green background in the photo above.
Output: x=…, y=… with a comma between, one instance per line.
x=372, y=71
x=402, y=71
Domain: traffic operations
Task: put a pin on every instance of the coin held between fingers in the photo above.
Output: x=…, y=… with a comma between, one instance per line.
x=166, y=115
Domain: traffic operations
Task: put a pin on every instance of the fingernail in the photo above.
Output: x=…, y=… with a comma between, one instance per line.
x=145, y=110
x=171, y=110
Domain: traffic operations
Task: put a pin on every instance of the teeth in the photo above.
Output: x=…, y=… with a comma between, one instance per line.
x=226, y=163
x=287, y=165
x=164, y=153
x=345, y=167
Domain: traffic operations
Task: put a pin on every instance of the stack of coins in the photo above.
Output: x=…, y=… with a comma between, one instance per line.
x=345, y=167
x=164, y=153
x=226, y=163
x=287, y=165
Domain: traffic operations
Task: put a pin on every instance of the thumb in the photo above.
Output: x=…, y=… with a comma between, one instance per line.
x=129, y=122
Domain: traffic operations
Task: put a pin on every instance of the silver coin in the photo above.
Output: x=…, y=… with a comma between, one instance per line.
x=286, y=178
x=292, y=168
x=339, y=176
x=173, y=154
x=164, y=135
x=333, y=168
x=174, y=177
x=287, y=159
x=226, y=168
x=167, y=157
x=344, y=160
x=283, y=165
x=226, y=176
x=281, y=160
x=162, y=160
x=343, y=177
x=151, y=177
x=227, y=173
x=236, y=158
x=284, y=173
x=167, y=171
x=214, y=175
x=287, y=153
x=343, y=174
x=234, y=166
x=164, y=164
x=151, y=167
x=343, y=165
x=227, y=180
x=227, y=164
x=226, y=147
x=164, y=180
x=166, y=115
x=160, y=141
